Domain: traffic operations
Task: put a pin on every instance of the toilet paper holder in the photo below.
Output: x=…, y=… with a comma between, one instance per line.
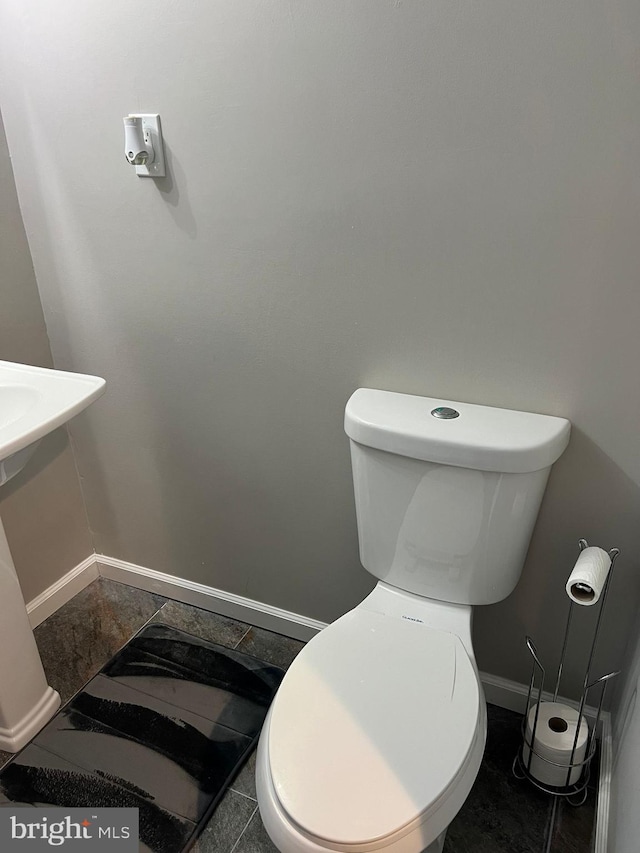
x=576, y=792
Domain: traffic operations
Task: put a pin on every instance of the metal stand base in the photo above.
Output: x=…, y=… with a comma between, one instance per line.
x=575, y=794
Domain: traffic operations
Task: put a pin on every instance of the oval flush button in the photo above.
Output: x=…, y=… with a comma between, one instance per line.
x=445, y=413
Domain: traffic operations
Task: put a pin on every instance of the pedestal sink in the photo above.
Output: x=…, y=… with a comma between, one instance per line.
x=33, y=402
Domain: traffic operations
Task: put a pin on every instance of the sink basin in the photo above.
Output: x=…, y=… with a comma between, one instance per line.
x=33, y=402
x=16, y=401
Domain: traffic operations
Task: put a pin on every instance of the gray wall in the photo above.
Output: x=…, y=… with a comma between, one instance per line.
x=41, y=508
x=438, y=198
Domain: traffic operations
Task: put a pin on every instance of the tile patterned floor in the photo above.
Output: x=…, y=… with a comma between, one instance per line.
x=163, y=728
x=501, y=814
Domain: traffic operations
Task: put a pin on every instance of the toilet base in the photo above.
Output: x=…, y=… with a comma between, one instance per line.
x=438, y=844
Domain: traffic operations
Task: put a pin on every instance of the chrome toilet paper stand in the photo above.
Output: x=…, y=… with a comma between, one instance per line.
x=576, y=793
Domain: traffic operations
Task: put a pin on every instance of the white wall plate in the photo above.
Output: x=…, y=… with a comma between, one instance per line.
x=151, y=128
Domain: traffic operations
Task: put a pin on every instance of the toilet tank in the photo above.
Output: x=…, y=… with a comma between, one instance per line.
x=447, y=494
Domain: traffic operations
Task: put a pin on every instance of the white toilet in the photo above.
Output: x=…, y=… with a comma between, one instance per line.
x=376, y=734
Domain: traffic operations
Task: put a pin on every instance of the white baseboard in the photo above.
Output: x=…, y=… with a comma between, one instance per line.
x=209, y=598
x=505, y=693
x=513, y=695
x=63, y=590
x=499, y=691
x=601, y=834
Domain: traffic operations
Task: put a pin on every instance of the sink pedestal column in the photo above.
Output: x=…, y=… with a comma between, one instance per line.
x=27, y=702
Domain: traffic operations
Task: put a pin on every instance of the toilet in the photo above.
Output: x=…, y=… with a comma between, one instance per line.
x=376, y=734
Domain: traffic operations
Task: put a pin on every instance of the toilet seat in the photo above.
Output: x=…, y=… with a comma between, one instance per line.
x=377, y=727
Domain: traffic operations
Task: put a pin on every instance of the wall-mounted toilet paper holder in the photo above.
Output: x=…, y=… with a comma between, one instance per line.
x=530, y=763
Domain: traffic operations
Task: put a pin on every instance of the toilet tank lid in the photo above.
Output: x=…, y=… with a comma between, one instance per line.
x=483, y=438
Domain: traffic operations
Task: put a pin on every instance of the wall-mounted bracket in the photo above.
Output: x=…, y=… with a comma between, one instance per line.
x=143, y=144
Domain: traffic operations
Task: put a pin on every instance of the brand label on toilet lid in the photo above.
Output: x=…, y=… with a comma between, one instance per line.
x=371, y=725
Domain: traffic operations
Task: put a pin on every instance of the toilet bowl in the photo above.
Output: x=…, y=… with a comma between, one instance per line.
x=376, y=734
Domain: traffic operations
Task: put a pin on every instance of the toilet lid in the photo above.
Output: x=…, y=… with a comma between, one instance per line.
x=371, y=725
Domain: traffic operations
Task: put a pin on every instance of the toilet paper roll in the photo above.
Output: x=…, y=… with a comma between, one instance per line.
x=553, y=743
x=589, y=576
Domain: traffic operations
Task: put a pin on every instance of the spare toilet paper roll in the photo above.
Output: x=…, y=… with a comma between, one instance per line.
x=553, y=743
x=589, y=576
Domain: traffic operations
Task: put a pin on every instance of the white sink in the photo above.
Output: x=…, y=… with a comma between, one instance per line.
x=33, y=402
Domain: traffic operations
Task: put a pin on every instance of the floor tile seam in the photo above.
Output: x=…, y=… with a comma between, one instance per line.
x=551, y=822
x=110, y=779
x=131, y=636
x=244, y=829
x=173, y=705
x=88, y=770
x=150, y=619
x=246, y=634
x=157, y=699
x=153, y=595
x=123, y=736
x=227, y=619
x=98, y=671
x=242, y=794
x=205, y=644
x=150, y=799
x=190, y=670
x=78, y=690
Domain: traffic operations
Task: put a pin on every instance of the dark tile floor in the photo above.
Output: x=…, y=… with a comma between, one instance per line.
x=163, y=728
x=504, y=815
x=501, y=814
